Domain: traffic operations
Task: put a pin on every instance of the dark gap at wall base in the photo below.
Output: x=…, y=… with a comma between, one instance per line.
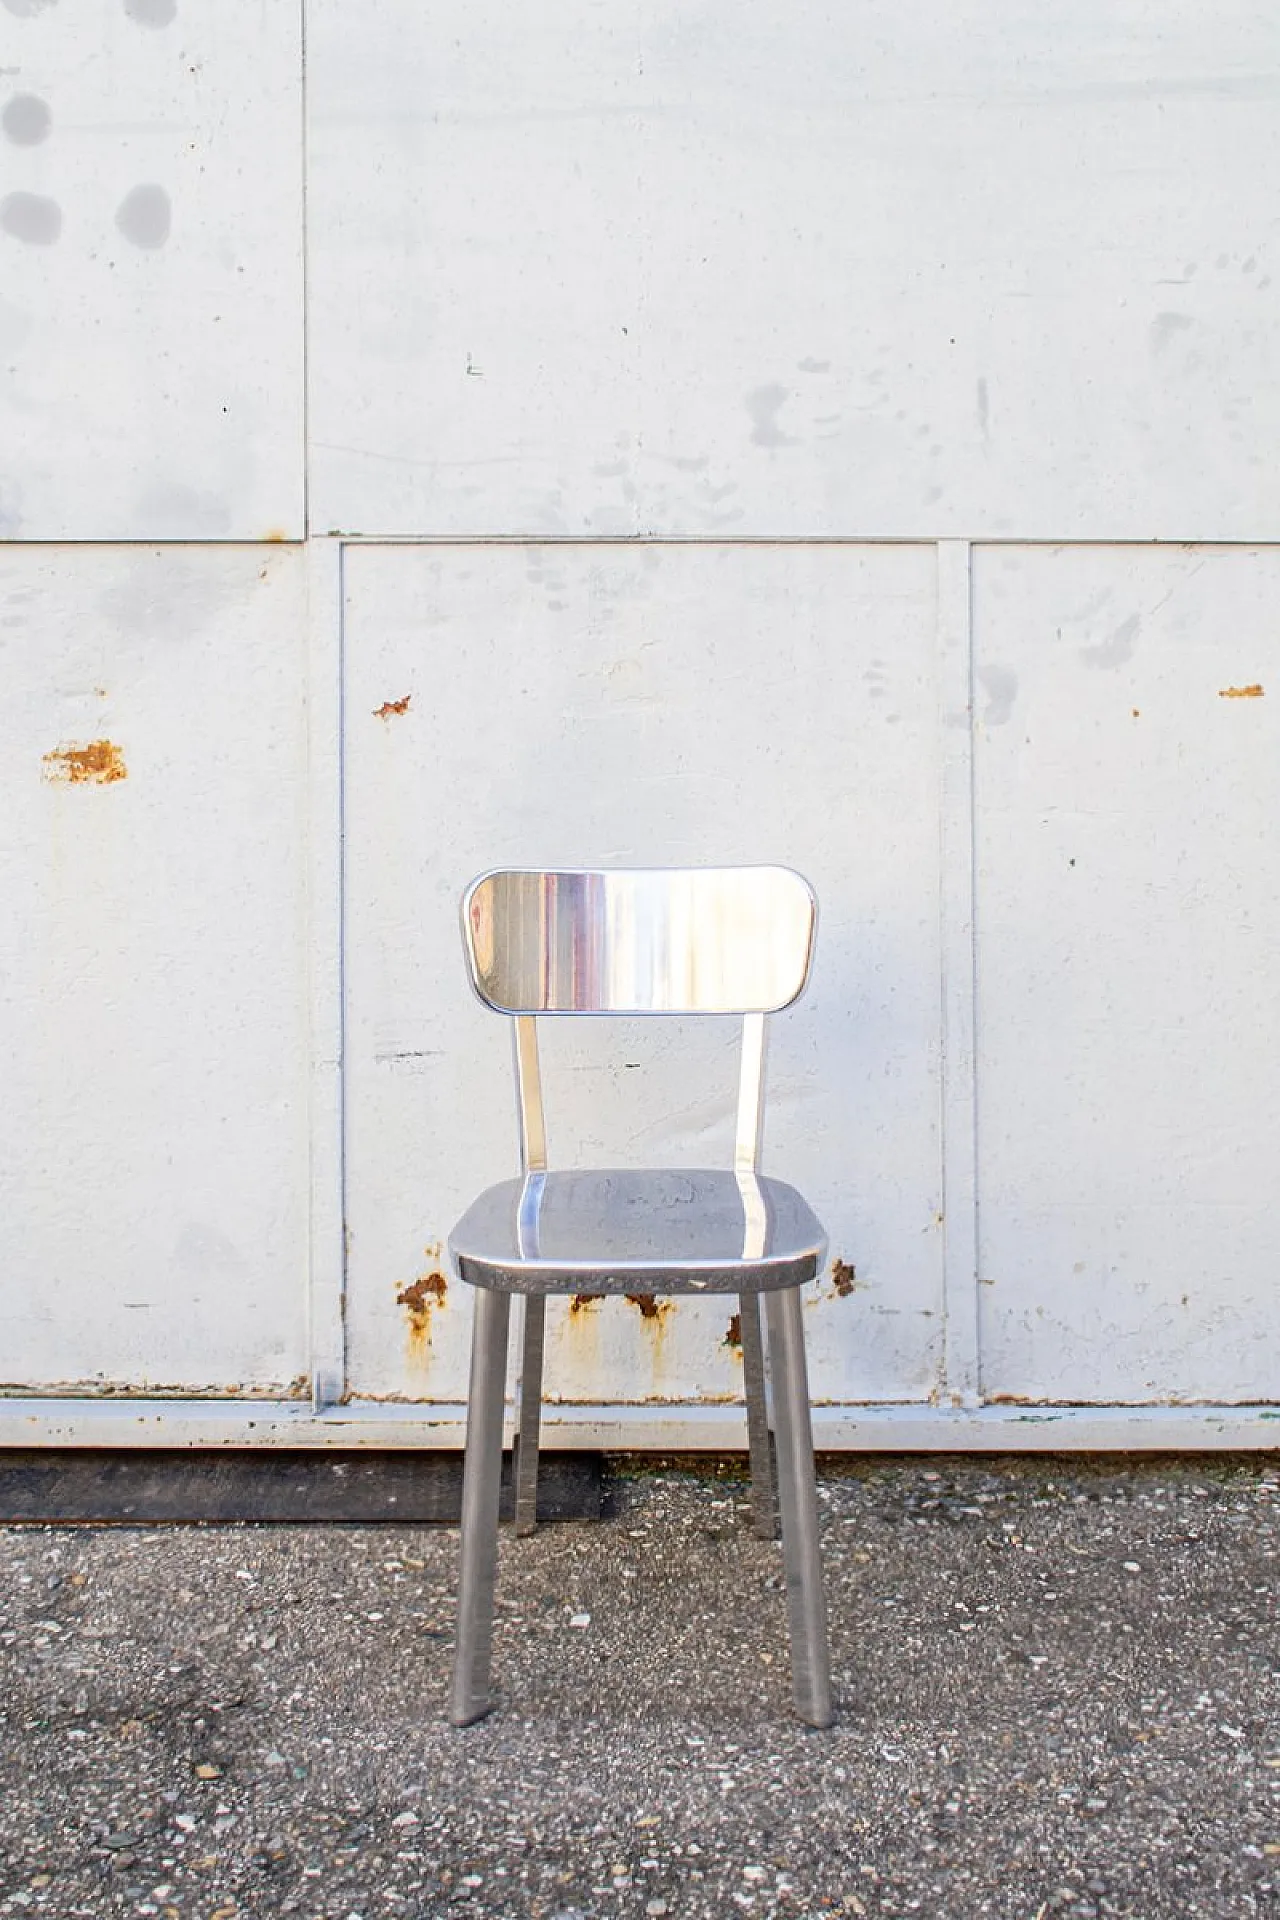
x=170, y=1487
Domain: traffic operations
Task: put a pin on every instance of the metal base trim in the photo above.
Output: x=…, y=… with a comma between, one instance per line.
x=885, y=1428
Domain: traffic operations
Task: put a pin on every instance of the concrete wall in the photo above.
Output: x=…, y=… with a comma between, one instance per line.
x=439, y=436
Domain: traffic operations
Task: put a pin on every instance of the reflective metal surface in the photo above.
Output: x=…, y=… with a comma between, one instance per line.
x=750, y=1128
x=721, y=940
x=648, y=1231
x=798, y=1510
x=639, y=940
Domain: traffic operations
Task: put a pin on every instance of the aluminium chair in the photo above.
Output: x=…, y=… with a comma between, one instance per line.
x=640, y=941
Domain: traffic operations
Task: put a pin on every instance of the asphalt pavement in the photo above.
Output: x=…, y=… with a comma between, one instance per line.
x=1056, y=1685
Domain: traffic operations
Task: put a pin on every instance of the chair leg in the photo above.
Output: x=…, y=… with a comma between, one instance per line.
x=798, y=1504
x=764, y=1505
x=481, y=1475
x=524, y=1466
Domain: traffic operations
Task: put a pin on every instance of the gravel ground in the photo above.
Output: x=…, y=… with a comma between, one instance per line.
x=1057, y=1692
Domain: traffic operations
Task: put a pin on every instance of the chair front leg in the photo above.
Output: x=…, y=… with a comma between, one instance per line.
x=764, y=1505
x=798, y=1505
x=529, y=1413
x=481, y=1476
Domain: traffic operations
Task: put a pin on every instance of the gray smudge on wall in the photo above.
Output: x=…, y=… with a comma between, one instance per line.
x=1000, y=684
x=178, y=512
x=25, y=120
x=1116, y=650
x=1166, y=327
x=143, y=216
x=26, y=9
x=30, y=217
x=151, y=13
x=15, y=327
x=763, y=404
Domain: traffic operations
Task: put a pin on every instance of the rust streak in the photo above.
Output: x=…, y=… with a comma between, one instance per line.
x=582, y=1301
x=419, y=1297
x=1240, y=693
x=844, y=1277
x=733, y=1337
x=99, y=764
x=649, y=1307
x=388, y=707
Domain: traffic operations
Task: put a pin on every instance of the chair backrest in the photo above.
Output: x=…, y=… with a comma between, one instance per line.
x=628, y=940
x=639, y=940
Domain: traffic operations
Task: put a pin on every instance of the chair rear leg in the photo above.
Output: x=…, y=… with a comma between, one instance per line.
x=798, y=1505
x=529, y=1413
x=481, y=1475
x=764, y=1505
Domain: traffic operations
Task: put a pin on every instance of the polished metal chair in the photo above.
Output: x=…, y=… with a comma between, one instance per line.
x=640, y=941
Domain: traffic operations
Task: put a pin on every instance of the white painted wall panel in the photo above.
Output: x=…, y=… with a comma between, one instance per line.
x=151, y=327
x=1128, y=1026
x=964, y=270
x=957, y=272
x=153, y=1146
x=612, y=705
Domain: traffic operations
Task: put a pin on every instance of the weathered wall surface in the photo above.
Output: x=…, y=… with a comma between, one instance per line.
x=151, y=312
x=842, y=438
x=961, y=269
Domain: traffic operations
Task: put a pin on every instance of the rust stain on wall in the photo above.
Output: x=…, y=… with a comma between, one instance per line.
x=1240, y=693
x=582, y=1302
x=649, y=1307
x=388, y=707
x=98, y=764
x=733, y=1336
x=844, y=1277
x=429, y=1290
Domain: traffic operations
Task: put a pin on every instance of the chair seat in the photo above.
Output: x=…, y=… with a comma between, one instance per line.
x=659, y=1231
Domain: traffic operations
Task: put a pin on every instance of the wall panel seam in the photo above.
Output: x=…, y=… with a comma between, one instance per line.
x=325, y=967
x=961, y=1358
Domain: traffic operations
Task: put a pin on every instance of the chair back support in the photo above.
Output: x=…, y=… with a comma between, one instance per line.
x=639, y=940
